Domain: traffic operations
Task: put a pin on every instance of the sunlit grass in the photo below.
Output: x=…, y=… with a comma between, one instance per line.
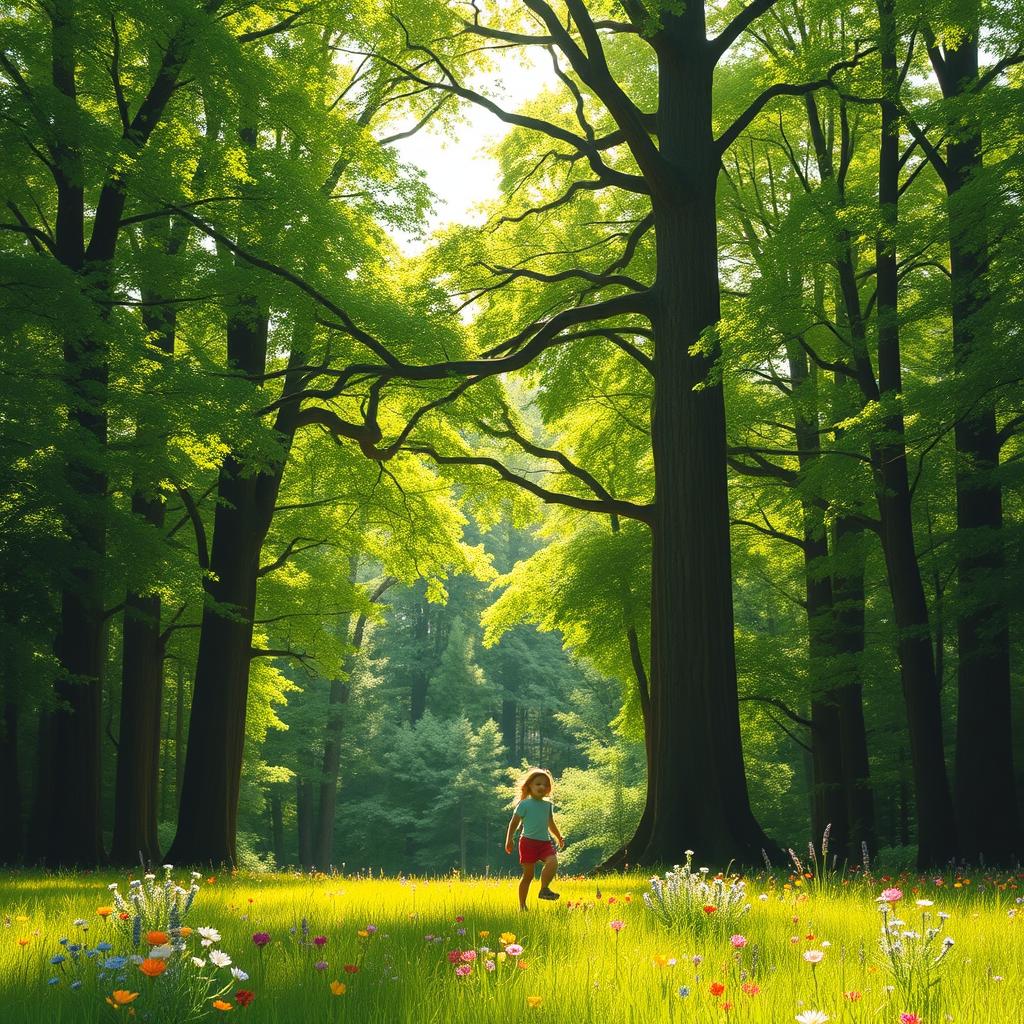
x=580, y=968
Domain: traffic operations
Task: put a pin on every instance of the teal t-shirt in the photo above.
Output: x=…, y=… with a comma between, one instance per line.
x=536, y=815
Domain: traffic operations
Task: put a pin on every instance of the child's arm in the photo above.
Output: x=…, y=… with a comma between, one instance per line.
x=553, y=829
x=512, y=826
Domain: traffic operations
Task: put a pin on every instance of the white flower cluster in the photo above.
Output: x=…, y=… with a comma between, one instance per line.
x=694, y=899
x=154, y=905
x=914, y=958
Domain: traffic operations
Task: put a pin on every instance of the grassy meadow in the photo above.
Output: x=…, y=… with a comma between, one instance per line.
x=344, y=948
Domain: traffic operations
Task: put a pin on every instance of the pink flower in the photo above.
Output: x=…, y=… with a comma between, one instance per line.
x=320, y=940
x=909, y=1018
x=489, y=964
x=513, y=949
x=617, y=926
x=814, y=956
x=892, y=895
x=469, y=956
x=463, y=969
x=738, y=941
x=261, y=939
x=454, y=956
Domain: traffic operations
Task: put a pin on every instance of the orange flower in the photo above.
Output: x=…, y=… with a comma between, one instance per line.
x=104, y=912
x=121, y=997
x=23, y=943
x=210, y=881
x=156, y=938
x=184, y=931
x=716, y=988
x=522, y=965
x=533, y=1002
x=152, y=967
x=338, y=988
x=219, y=1004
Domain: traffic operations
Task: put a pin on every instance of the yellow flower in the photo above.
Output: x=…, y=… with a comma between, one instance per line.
x=219, y=1004
x=533, y=1002
x=660, y=960
x=363, y=934
x=502, y=957
x=507, y=937
x=338, y=988
x=484, y=935
x=121, y=997
x=104, y=912
x=21, y=917
x=184, y=931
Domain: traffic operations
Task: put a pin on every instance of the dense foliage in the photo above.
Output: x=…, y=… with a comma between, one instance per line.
x=311, y=541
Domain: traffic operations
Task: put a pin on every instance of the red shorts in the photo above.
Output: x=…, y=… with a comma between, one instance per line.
x=533, y=850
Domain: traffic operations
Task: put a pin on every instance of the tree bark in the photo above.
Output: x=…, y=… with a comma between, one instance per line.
x=697, y=790
x=73, y=835
x=984, y=782
x=935, y=823
x=137, y=785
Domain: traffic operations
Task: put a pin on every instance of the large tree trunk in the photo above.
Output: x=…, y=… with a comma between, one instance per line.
x=137, y=786
x=73, y=834
x=984, y=783
x=936, y=827
x=697, y=790
x=207, y=815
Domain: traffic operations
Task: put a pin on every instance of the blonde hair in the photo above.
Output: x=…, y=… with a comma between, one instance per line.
x=529, y=775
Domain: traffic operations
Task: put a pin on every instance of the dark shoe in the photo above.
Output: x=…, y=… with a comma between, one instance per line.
x=548, y=894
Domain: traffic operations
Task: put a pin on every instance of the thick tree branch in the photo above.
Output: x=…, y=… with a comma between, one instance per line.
x=737, y=27
x=733, y=132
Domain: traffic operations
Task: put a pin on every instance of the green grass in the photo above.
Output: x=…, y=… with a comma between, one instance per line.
x=576, y=963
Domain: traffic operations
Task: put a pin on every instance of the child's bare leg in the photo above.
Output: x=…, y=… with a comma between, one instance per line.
x=550, y=867
x=524, y=885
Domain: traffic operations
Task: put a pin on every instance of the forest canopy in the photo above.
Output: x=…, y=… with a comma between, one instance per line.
x=688, y=464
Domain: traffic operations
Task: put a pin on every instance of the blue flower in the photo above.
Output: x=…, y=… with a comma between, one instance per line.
x=53, y=981
x=57, y=959
x=115, y=963
x=75, y=986
x=103, y=947
x=63, y=942
x=684, y=991
x=74, y=947
x=92, y=953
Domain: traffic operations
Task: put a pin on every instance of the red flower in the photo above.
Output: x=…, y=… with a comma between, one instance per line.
x=353, y=968
x=716, y=988
x=244, y=997
x=454, y=955
x=709, y=909
x=727, y=1007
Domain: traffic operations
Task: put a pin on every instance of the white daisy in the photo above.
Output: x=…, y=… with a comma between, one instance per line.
x=219, y=958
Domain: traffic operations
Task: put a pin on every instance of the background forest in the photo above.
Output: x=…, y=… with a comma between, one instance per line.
x=317, y=523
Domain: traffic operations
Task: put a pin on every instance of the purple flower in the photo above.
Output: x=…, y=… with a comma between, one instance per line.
x=321, y=965
x=261, y=939
x=320, y=940
x=371, y=928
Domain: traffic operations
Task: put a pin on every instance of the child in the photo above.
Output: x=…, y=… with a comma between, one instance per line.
x=537, y=817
